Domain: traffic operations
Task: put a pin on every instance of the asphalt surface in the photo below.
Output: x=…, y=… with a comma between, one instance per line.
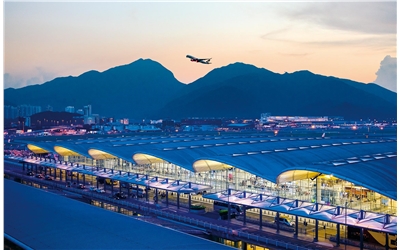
x=302, y=240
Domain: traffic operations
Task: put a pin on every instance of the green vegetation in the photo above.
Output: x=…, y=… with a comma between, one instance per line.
x=223, y=212
x=197, y=207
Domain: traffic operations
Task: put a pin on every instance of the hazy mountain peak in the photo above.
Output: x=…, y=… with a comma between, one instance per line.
x=142, y=67
x=145, y=60
x=145, y=88
x=90, y=73
x=304, y=72
x=240, y=65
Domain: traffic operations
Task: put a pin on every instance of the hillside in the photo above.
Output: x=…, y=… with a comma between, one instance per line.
x=146, y=89
x=134, y=90
x=252, y=91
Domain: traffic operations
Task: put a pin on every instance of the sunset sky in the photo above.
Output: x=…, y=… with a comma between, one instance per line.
x=352, y=40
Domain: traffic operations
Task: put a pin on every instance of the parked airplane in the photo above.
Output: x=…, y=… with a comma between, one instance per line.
x=194, y=59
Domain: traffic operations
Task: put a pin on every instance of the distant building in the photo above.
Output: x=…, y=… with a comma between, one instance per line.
x=50, y=119
x=90, y=119
x=70, y=109
x=28, y=121
x=168, y=124
x=124, y=121
x=215, y=122
x=80, y=111
x=196, y=128
x=267, y=118
x=96, y=118
x=132, y=127
x=87, y=110
x=28, y=110
x=10, y=112
x=87, y=114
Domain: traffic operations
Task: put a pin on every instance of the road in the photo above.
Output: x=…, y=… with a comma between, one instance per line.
x=305, y=237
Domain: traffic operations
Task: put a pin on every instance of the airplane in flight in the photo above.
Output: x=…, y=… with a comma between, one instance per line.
x=198, y=60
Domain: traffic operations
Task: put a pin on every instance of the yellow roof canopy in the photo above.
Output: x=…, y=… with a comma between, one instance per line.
x=294, y=175
x=65, y=151
x=208, y=165
x=100, y=155
x=36, y=149
x=146, y=159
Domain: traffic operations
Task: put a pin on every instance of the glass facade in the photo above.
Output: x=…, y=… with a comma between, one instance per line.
x=326, y=189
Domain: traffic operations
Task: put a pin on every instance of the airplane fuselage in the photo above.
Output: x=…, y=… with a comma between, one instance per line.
x=194, y=59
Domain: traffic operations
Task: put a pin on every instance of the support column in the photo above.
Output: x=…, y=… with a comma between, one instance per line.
x=190, y=196
x=190, y=201
x=277, y=222
x=387, y=241
x=229, y=211
x=177, y=198
x=337, y=234
x=137, y=192
x=236, y=179
x=361, y=238
x=316, y=231
x=318, y=190
x=244, y=215
x=166, y=197
x=296, y=229
x=229, y=204
x=260, y=219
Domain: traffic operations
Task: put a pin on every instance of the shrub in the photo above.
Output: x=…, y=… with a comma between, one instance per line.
x=197, y=207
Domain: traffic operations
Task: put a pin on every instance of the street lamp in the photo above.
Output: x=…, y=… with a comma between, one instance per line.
x=147, y=195
x=346, y=204
x=345, y=222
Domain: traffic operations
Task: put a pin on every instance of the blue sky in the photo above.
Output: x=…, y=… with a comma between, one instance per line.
x=353, y=40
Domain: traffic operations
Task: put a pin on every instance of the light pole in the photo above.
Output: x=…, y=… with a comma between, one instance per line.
x=346, y=204
x=345, y=222
x=227, y=190
x=147, y=195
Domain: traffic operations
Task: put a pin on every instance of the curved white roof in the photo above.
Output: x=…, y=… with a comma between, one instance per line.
x=370, y=162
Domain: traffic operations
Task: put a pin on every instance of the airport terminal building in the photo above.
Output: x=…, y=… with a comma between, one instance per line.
x=350, y=181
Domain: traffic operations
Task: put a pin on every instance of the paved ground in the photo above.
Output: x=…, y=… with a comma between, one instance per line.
x=212, y=217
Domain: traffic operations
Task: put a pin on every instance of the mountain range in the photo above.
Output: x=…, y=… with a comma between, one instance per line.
x=146, y=89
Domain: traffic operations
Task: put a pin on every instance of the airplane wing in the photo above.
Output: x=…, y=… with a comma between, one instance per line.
x=205, y=61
